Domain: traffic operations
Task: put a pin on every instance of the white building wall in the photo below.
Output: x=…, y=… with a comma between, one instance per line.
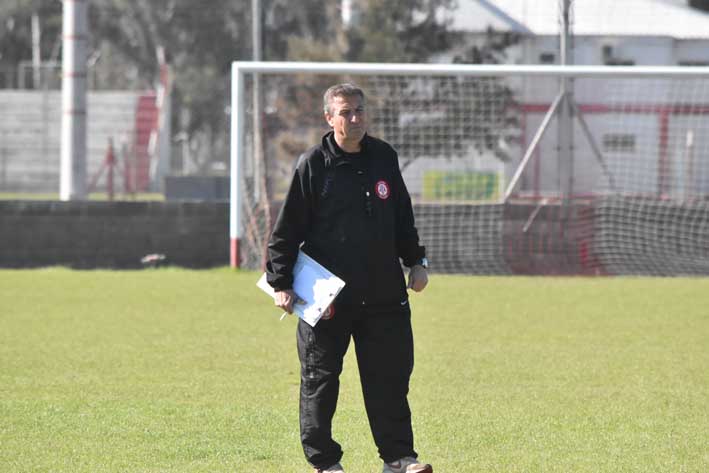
x=30, y=123
x=694, y=50
x=635, y=171
x=660, y=32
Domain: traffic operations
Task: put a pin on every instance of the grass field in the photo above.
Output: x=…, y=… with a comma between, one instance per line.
x=190, y=371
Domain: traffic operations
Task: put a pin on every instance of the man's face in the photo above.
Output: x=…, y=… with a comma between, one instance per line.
x=347, y=118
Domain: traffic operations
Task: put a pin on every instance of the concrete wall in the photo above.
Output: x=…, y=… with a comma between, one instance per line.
x=197, y=188
x=613, y=236
x=112, y=234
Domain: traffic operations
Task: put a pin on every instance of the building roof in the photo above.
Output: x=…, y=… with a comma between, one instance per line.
x=671, y=18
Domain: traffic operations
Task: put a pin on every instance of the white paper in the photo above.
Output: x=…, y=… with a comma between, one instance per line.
x=314, y=284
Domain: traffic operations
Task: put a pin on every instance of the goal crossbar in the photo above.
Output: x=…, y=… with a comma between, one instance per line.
x=487, y=70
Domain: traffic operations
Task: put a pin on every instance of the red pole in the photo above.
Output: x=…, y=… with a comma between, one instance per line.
x=663, y=168
x=234, y=253
x=111, y=163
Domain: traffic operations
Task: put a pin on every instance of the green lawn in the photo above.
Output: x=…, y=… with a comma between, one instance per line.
x=190, y=371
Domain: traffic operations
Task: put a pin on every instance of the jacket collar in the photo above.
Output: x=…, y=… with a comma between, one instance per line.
x=333, y=152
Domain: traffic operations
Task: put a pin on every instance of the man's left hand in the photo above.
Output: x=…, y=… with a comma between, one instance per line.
x=418, y=278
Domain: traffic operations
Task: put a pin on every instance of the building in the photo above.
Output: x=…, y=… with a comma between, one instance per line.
x=653, y=134
x=611, y=32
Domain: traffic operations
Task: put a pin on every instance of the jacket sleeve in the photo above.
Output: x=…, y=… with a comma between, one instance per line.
x=407, y=238
x=290, y=230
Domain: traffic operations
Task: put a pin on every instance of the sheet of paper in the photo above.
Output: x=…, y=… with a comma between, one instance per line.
x=314, y=284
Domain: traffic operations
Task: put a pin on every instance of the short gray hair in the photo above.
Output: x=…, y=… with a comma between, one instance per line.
x=341, y=90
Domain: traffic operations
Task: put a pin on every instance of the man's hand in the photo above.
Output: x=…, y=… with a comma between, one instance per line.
x=418, y=278
x=286, y=299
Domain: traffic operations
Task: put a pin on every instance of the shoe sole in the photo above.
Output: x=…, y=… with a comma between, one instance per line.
x=428, y=469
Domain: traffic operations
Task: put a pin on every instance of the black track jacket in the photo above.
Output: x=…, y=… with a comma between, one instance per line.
x=358, y=237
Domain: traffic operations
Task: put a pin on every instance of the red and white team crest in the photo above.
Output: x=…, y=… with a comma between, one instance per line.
x=329, y=312
x=382, y=189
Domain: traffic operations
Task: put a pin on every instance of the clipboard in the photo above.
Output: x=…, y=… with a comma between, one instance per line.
x=314, y=284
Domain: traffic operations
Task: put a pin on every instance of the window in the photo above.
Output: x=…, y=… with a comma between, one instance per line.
x=620, y=62
x=693, y=63
x=547, y=58
x=619, y=143
x=610, y=58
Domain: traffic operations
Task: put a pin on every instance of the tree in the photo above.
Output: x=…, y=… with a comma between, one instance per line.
x=398, y=30
x=387, y=30
x=202, y=37
x=16, y=30
x=700, y=4
x=200, y=41
x=460, y=109
x=312, y=31
x=391, y=31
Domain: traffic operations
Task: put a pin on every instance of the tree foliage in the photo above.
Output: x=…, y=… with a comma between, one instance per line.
x=700, y=4
x=398, y=30
x=200, y=39
x=435, y=108
x=16, y=30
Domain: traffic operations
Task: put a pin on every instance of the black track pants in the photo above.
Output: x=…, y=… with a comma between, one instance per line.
x=384, y=348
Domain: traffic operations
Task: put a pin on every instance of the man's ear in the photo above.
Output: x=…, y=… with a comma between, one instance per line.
x=328, y=118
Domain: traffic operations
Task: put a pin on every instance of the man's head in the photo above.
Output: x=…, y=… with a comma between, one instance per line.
x=345, y=113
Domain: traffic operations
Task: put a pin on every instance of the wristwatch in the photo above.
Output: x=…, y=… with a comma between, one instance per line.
x=423, y=262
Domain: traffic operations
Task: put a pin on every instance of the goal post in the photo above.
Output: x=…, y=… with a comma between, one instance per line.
x=479, y=149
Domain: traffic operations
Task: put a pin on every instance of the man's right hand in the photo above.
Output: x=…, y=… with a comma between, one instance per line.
x=286, y=299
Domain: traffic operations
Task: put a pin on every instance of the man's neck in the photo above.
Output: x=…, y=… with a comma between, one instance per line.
x=348, y=146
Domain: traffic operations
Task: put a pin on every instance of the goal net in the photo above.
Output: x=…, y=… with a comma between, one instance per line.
x=511, y=169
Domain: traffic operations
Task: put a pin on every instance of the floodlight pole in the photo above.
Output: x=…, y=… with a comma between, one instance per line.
x=567, y=109
x=236, y=226
x=566, y=126
x=257, y=55
x=36, y=51
x=73, y=148
x=563, y=107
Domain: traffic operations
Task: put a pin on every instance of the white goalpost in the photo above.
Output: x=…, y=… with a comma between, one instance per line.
x=511, y=170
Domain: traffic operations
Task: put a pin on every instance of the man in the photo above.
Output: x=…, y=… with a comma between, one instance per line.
x=349, y=208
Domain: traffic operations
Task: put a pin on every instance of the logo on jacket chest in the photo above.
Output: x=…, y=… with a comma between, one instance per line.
x=382, y=189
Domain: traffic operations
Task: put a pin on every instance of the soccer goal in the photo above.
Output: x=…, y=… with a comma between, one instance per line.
x=512, y=169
